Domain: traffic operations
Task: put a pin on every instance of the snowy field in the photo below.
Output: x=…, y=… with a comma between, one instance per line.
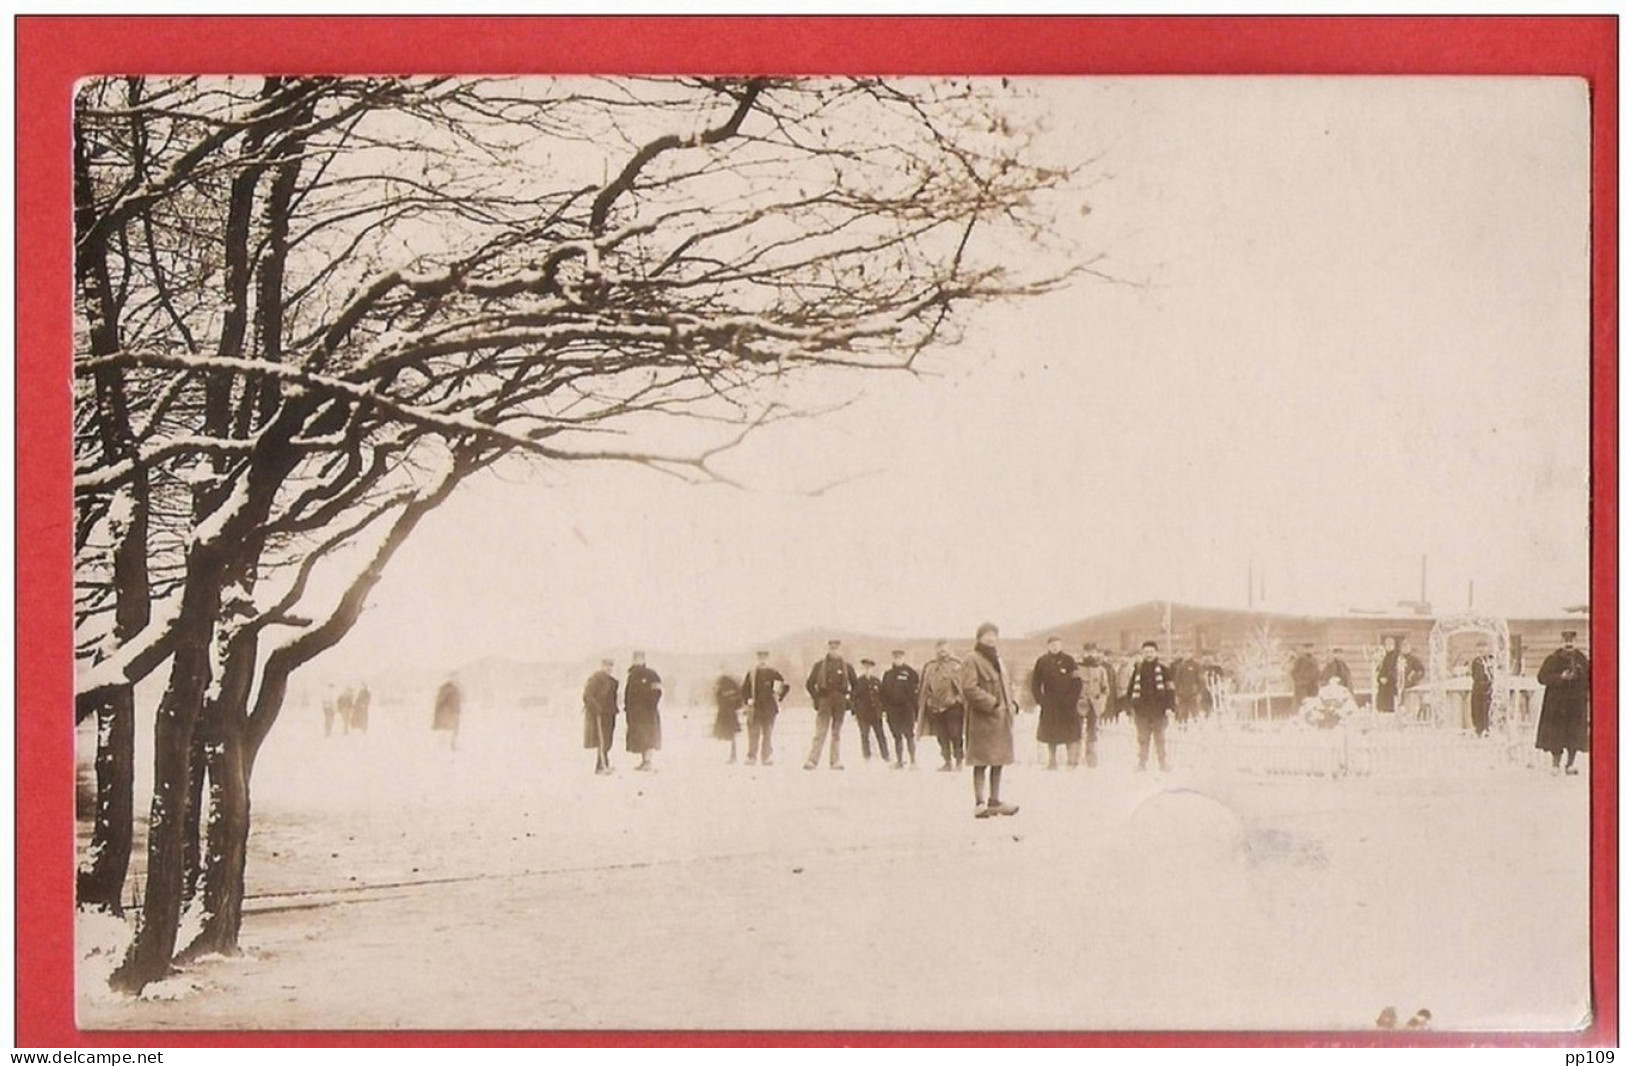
x=395, y=884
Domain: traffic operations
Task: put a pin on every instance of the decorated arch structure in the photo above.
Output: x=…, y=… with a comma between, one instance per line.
x=1493, y=630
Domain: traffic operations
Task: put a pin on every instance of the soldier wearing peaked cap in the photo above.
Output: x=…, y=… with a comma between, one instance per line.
x=600, y=702
x=763, y=688
x=1565, y=708
x=830, y=684
x=866, y=709
x=899, y=695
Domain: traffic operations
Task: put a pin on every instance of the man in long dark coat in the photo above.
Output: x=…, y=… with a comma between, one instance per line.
x=1305, y=677
x=361, y=709
x=600, y=702
x=729, y=698
x=1150, y=691
x=1390, y=671
x=1056, y=689
x=1565, y=718
x=642, y=711
x=763, y=688
x=448, y=710
x=899, y=696
x=830, y=684
x=990, y=743
x=867, y=710
x=1482, y=671
x=347, y=708
x=1187, y=671
x=1412, y=669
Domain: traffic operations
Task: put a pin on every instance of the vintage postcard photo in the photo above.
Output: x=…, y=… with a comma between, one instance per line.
x=833, y=553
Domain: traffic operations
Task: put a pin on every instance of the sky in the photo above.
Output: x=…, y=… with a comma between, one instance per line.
x=1348, y=328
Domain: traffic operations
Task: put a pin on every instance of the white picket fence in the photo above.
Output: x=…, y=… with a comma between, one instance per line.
x=1295, y=748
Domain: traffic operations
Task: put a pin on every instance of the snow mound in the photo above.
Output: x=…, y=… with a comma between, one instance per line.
x=99, y=932
x=1188, y=823
x=100, y=940
x=171, y=988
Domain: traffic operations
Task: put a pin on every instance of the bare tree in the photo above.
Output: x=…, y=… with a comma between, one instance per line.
x=334, y=300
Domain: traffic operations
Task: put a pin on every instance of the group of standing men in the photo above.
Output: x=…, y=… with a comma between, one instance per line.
x=967, y=705
x=904, y=702
x=759, y=696
x=601, y=703
x=350, y=708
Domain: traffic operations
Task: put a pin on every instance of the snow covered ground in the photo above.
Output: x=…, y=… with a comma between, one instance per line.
x=396, y=884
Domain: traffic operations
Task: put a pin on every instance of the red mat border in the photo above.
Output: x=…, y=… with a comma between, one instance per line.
x=52, y=52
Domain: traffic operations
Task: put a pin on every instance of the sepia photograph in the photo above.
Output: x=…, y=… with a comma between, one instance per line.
x=834, y=553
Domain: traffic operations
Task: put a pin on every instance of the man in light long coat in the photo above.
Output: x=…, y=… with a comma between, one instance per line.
x=1095, y=674
x=990, y=711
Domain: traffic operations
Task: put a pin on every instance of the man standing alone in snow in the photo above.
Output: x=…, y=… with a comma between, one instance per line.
x=1565, y=724
x=1057, y=688
x=990, y=743
x=642, y=711
x=866, y=708
x=764, y=687
x=899, y=694
x=830, y=685
x=1151, y=693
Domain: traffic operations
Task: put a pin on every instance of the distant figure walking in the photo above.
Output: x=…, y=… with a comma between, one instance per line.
x=763, y=688
x=329, y=710
x=990, y=711
x=346, y=709
x=1151, y=693
x=729, y=698
x=830, y=685
x=942, y=706
x=900, y=695
x=448, y=710
x=1565, y=718
x=866, y=708
x=642, y=711
x=360, y=709
x=600, y=702
x=1057, y=688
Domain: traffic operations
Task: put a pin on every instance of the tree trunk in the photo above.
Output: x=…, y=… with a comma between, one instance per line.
x=101, y=882
x=227, y=859
x=229, y=762
x=101, y=879
x=192, y=850
x=148, y=959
